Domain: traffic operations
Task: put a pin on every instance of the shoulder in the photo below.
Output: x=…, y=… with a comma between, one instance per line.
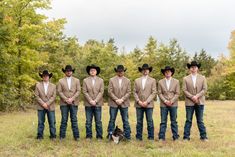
x=161, y=80
x=186, y=77
x=175, y=80
x=38, y=84
x=52, y=84
x=152, y=79
x=76, y=79
x=202, y=76
x=127, y=79
x=112, y=78
x=137, y=79
x=85, y=79
x=61, y=80
x=100, y=79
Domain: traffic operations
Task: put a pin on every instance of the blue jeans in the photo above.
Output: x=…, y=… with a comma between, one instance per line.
x=174, y=127
x=96, y=112
x=65, y=110
x=199, y=109
x=124, y=114
x=51, y=121
x=139, y=126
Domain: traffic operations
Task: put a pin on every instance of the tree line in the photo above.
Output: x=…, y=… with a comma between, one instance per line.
x=30, y=43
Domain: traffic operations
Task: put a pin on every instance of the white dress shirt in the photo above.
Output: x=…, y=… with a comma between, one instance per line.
x=69, y=80
x=194, y=78
x=168, y=83
x=120, y=82
x=45, y=85
x=93, y=80
x=144, y=79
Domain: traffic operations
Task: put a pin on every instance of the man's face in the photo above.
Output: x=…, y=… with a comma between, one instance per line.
x=145, y=72
x=120, y=73
x=45, y=78
x=168, y=74
x=93, y=72
x=68, y=73
x=193, y=69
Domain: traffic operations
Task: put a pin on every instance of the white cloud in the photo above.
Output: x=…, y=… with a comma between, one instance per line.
x=196, y=24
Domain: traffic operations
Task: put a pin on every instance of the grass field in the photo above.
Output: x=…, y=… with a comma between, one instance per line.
x=18, y=132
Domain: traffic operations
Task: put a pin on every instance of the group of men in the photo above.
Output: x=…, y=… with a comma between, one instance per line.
x=119, y=90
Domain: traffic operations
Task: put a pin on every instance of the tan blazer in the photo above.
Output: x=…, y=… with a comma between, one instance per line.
x=93, y=92
x=190, y=91
x=48, y=98
x=172, y=94
x=65, y=93
x=119, y=93
x=147, y=94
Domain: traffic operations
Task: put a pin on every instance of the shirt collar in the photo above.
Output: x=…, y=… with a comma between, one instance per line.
x=145, y=77
x=45, y=83
x=168, y=79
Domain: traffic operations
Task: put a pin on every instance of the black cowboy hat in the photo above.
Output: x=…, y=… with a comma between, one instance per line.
x=93, y=66
x=45, y=73
x=120, y=68
x=168, y=68
x=144, y=67
x=68, y=68
x=193, y=63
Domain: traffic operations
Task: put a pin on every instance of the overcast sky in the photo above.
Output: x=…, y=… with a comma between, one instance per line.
x=196, y=24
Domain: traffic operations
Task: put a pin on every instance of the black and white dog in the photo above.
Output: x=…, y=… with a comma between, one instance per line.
x=117, y=135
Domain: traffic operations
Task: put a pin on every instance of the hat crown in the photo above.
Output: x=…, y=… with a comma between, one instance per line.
x=145, y=65
x=93, y=65
x=68, y=67
x=45, y=72
x=121, y=67
x=167, y=67
x=194, y=63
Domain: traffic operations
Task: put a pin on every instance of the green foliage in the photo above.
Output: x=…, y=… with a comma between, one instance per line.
x=30, y=43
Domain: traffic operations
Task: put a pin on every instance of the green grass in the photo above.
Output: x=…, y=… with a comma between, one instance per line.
x=18, y=132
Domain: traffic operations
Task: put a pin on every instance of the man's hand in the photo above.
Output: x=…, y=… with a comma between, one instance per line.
x=195, y=99
x=69, y=101
x=45, y=106
x=119, y=101
x=140, y=103
x=145, y=104
x=93, y=102
x=168, y=103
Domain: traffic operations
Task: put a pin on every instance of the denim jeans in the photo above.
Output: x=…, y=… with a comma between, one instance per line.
x=51, y=121
x=139, y=126
x=163, y=125
x=199, y=109
x=124, y=114
x=96, y=112
x=65, y=111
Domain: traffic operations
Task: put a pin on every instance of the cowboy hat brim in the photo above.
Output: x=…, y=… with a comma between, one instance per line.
x=50, y=75
x=141, y=69
x=64, y=70
x=88, y=68
x=171, y=69
x=190, y=65
x=120, y=70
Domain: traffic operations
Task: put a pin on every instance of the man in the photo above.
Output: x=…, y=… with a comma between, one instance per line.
x=119, y=91
x=45, y=93
x=194, y=87
x=144, y=94
x=168, y=91
x=93, y=89
x=69, y=89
